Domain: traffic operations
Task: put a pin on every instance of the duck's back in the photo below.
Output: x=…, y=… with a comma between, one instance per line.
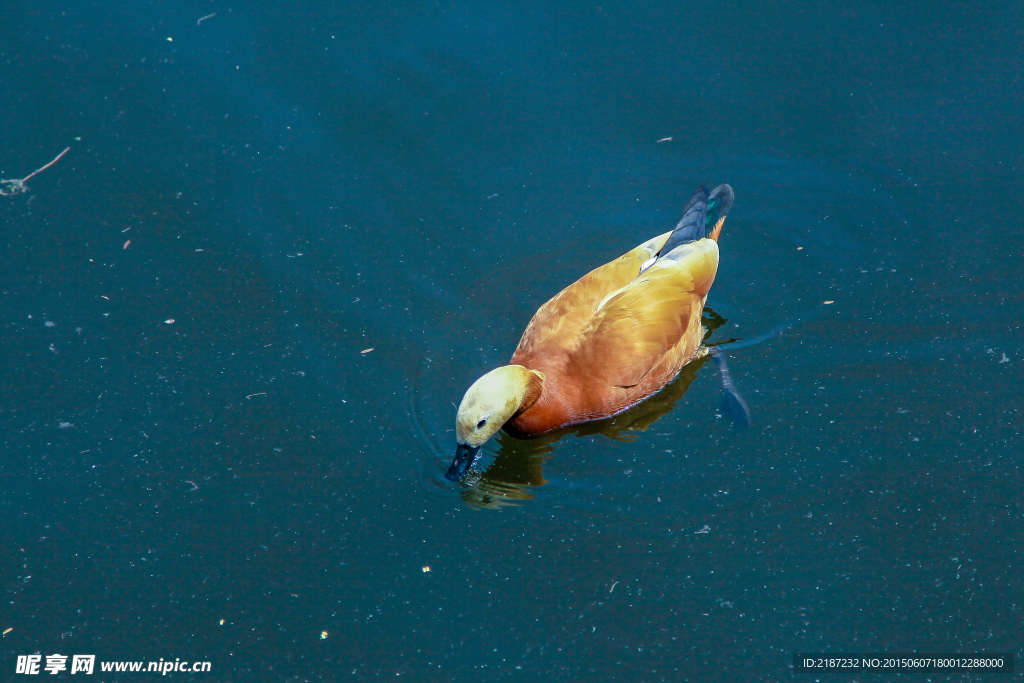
x=614, y=337
x=557, y=324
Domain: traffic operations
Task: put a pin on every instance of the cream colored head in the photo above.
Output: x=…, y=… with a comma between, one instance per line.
x=493, y=400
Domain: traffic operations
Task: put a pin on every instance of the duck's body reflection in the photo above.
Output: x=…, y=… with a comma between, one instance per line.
x=518, y=467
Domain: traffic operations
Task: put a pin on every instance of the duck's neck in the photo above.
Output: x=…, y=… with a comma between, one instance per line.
x=531, y=385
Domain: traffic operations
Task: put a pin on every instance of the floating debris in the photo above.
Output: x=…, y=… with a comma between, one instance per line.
x=18, y=186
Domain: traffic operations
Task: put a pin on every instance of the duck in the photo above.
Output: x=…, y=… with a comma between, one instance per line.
x=603, y=344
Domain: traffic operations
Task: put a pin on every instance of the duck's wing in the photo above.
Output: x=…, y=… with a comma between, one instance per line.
x=559, y=322
x=635, y=327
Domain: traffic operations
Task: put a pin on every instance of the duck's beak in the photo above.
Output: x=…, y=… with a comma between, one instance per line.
x=464, y=457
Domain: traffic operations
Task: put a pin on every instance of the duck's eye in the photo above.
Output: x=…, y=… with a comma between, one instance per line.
x=481, y=423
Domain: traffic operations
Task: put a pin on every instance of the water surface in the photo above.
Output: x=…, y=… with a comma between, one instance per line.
x=302, y=185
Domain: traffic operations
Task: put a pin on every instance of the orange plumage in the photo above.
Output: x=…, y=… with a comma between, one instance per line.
x=597, y=359
x=611, y=339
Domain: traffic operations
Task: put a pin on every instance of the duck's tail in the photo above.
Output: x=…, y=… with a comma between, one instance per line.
x=703, y=217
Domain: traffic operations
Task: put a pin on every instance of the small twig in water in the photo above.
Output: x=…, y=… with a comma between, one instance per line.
x=18, y=186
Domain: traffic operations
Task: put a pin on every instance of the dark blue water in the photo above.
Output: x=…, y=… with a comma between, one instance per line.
x=302, y=183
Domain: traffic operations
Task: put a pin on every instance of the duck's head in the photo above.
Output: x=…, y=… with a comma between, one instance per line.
x=491, y=402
